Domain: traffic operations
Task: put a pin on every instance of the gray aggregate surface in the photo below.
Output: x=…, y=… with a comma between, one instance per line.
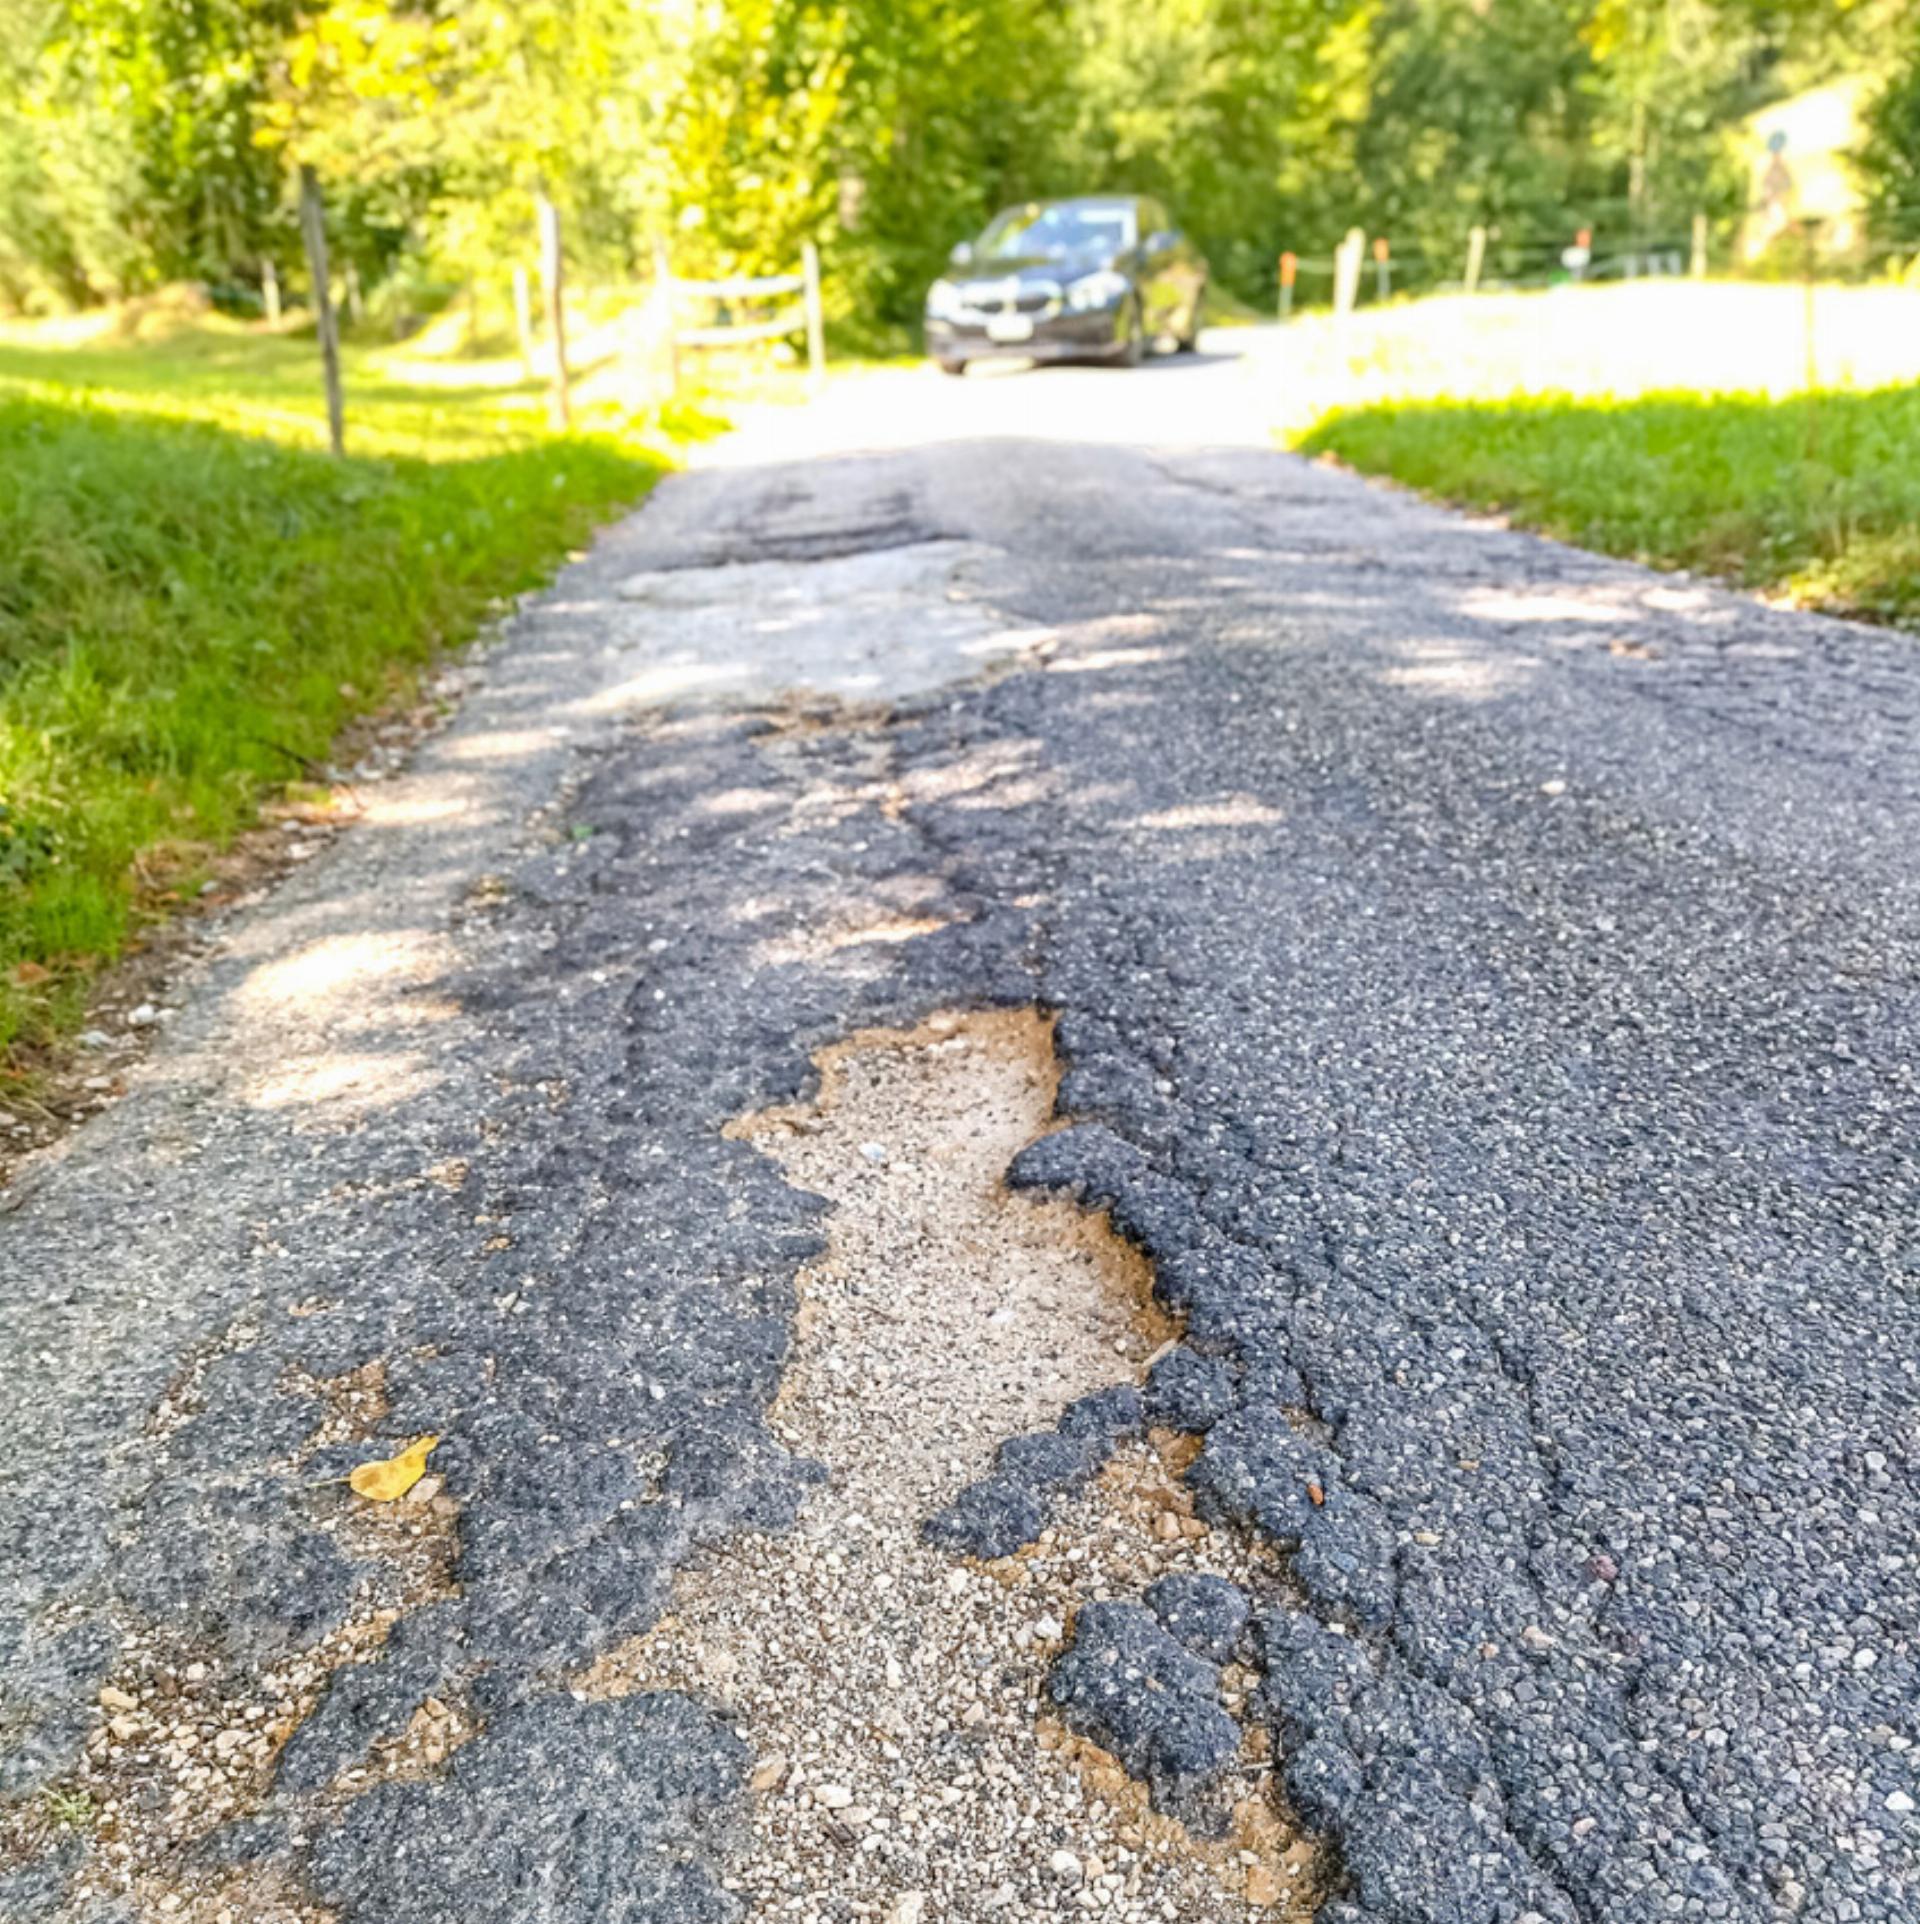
x=1486, y=980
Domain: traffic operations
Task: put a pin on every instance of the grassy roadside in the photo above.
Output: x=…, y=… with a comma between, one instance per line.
x=1815, y=496
x=192, y=597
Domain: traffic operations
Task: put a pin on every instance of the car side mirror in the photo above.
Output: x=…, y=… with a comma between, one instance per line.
x=962, y=255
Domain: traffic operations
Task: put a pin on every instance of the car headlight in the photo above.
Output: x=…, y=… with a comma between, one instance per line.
x=1104, y=289
x=943, y=301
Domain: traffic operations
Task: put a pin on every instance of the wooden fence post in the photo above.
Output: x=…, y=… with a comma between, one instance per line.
x=1346, y=271
x=1699, y=247
x=1811, y=343
x=1476, y=257
x=270, y=290
x=552, y=270
x=816, y=327
x=313, y=229
x=668, y=305
x=523, y=319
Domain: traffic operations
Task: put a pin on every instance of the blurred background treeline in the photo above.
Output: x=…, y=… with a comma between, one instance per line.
x=149, y=142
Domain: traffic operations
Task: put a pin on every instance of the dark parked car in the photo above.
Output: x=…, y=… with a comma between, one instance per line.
x=1104, y=278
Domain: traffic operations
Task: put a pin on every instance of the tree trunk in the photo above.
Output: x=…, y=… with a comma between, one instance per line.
x=551, y=274
x=313, y=230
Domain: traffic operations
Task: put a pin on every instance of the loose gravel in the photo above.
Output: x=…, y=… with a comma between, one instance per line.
x=909, y=1761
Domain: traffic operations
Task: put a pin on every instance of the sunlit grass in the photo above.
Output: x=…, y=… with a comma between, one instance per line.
x=193, y=596
x=399, y=401
x=1671, y=421
x=1816, y=496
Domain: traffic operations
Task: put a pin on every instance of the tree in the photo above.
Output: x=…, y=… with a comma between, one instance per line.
x=1238, y=113
x=147, y=139
x=1889, y=160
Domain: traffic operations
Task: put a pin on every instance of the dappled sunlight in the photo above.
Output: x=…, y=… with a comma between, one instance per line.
x=353, y=1014
x=742, y=801
x=752, y=669
x=1458, y=671
x=668, y=680
x=412, y=811
x=488, y=747
x=1664, y=598
x=271, y=392
x=1005, y=762
x=1099, y=660
x=344, y=1084
x=1230, y=811
x=339, y=980
x=1023, y=793
x=810, y=947
x=1536, y=605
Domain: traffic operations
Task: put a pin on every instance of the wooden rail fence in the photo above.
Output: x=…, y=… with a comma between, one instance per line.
x=804, y=316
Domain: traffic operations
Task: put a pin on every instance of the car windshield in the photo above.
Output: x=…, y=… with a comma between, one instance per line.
x=1065, y=227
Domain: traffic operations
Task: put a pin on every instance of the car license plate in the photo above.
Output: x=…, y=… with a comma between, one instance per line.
x=1009, y=327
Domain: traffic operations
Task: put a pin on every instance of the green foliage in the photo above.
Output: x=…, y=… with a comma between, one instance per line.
x=1890, y=154
x=759, y=134
x=67, y=182
x=1535, y=118
x=1817, y=496
x=143, y=140
x=958, y=110
x=1239, y=116
x=185, y=608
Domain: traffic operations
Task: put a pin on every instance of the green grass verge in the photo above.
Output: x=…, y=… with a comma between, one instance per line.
x=191, y=596
x=1817, y=496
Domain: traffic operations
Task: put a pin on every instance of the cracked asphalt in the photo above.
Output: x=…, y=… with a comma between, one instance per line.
x=1486, y=991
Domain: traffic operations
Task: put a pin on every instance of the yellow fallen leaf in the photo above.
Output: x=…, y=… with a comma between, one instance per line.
x=390, y=1480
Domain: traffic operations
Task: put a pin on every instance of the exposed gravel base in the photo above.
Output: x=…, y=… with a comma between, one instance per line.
x=907, y=1765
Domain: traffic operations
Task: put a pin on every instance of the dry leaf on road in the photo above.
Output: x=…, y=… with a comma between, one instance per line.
x=387, y=1481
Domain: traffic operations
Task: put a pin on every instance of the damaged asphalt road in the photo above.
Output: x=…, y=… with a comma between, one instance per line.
x=1486, y=991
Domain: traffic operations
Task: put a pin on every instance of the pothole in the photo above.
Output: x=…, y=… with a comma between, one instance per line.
x=863, y=623
x=910, y=1768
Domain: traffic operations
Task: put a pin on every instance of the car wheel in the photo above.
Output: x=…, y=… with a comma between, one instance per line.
x=951, y=367
x=1133, y=343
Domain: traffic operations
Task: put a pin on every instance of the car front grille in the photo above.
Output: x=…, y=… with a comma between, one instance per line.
x=1003, y=297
